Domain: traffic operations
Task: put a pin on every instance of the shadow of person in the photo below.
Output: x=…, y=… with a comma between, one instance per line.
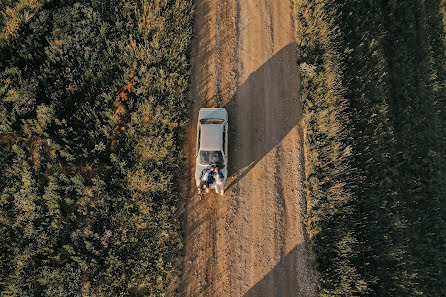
x=263, y=111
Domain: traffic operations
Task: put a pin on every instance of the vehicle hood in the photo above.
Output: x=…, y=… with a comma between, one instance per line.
x=200, y=168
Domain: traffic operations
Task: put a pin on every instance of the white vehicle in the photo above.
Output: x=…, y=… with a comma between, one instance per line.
x=212, y=144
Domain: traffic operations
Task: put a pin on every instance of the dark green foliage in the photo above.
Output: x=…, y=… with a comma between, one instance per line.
x=375, y=71
x=333, y=215
x=93, y=97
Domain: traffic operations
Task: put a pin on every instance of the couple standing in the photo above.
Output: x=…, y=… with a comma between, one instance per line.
x=210, y=176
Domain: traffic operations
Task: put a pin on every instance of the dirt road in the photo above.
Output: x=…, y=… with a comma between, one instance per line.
x=251, y=241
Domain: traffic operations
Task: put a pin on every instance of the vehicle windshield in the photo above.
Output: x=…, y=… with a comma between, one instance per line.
x=211, y=157
x=211, y=121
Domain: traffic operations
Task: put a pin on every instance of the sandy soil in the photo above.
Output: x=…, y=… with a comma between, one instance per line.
x=251, y=241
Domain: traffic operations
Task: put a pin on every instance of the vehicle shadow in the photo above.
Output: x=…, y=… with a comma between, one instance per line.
x=264, y=109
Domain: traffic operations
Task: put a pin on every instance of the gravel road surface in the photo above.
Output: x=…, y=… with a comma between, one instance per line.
x=251, y=241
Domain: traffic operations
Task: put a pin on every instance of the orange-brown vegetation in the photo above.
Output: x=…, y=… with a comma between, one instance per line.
x=121, y=98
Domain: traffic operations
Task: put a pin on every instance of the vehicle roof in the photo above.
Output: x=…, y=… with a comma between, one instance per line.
x=213, y=113
x=211, y=137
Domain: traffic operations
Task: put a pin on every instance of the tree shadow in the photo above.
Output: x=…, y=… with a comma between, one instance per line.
x=265, y=108
x=291, y=276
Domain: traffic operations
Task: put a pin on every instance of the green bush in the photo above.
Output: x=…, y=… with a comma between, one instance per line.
x=93, y=99
x=373, y=96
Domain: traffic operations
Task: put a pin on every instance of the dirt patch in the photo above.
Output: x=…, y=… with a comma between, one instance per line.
x=251, y=241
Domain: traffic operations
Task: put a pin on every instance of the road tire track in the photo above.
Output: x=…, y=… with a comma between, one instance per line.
x=251, y=241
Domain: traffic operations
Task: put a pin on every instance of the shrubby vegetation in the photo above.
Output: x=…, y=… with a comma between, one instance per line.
x=93, y=98
x=373, y=89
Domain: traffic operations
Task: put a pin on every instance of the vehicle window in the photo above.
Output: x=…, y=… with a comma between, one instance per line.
x=211, y=157
x=224, y=137
x=199, y=137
